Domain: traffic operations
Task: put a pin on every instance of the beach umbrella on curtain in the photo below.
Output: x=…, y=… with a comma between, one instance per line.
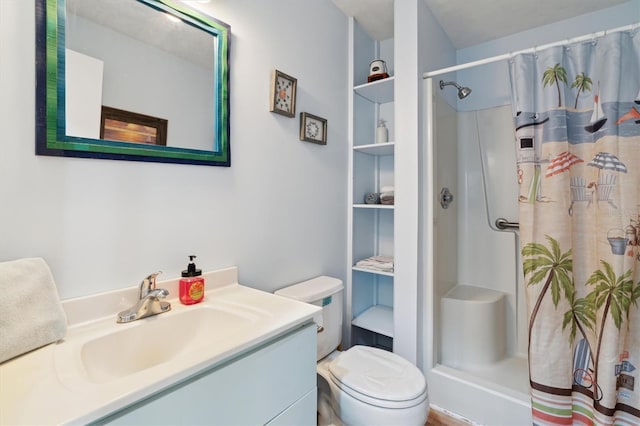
x=607, y=161
x=561, y=163
x=604, y=186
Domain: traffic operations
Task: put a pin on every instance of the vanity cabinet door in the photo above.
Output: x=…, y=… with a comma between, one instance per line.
x=253, y=389
x=303, y=412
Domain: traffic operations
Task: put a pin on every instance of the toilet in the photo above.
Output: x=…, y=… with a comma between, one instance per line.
x=362, y=385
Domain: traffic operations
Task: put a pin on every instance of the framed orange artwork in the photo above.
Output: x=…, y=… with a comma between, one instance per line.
x=126, y=126
x=283, y=94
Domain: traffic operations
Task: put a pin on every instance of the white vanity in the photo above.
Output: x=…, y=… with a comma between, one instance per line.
x=242, y=356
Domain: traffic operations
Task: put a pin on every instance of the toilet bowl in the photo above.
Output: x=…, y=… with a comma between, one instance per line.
x=362, y=385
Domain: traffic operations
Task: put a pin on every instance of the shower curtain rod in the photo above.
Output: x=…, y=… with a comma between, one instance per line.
x=496, y=58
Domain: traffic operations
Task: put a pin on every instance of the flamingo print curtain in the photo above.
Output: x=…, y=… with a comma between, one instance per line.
x=577, y=120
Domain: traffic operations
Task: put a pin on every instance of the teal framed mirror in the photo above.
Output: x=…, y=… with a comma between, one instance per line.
x=137, y=80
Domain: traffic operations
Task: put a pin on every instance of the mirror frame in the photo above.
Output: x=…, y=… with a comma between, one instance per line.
x=51, y=138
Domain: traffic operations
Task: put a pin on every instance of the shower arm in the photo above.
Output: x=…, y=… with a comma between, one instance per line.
x=449, y=83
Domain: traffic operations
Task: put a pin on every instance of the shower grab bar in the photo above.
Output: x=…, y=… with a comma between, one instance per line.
x=502, y=223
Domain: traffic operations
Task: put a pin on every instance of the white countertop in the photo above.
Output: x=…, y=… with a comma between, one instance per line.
x=49, y=386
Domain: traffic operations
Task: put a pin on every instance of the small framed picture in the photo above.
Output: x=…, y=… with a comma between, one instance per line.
x=283, y=94
x=126, y=126
x=313, y=128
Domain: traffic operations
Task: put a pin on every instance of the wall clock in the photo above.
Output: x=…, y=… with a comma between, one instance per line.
x=283, y=94
x=313, y=128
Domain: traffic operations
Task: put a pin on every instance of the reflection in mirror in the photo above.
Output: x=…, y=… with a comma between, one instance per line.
x=161, y=66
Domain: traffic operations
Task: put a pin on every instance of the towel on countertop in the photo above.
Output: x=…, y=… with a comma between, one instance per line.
x=31, y=315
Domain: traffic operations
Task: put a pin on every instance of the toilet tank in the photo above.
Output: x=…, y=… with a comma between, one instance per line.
x=325, y=292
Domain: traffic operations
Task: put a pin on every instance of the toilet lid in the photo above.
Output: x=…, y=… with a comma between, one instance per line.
x=368, y=372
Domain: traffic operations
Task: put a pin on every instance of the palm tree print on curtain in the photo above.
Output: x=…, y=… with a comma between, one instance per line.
x=577, y=117
x=555, y=75
x=583, y=83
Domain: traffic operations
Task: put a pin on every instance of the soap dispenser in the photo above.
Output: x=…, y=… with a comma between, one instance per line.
x=191, y=284
x=382, y=134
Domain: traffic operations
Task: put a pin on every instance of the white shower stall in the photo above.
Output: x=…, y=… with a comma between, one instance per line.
x=475, y=314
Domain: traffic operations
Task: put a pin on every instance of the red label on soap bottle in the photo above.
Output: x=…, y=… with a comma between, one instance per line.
x=191, y=290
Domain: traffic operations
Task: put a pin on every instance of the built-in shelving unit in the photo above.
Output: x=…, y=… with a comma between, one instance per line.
x=379, y=92
x=378, y=319
x=372, y=271
x=370, y=290
x=376, y=148
x=374, y=206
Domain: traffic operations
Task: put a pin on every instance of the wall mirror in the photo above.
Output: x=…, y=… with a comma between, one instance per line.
x=141, y=80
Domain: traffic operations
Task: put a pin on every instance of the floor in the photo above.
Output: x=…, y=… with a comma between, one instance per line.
x=438, y=418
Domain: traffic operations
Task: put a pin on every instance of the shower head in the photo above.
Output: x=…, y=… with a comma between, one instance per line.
x=463, y=92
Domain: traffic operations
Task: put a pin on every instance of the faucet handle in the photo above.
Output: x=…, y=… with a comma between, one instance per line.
x=159, y=293
x=148, y=284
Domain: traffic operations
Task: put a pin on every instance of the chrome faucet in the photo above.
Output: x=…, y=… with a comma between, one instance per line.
x=149, y=302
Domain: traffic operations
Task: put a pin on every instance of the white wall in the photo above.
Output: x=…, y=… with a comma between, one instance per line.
x=83, y=94
x=445, y=221
x=435, y=51
x=487, y=190
x=279, y=212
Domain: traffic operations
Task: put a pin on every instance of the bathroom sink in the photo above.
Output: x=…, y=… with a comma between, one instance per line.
x=121, y=350
x=105, y=366
x=158, y=339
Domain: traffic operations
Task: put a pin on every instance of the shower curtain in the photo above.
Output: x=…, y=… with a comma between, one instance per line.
x=577, y=120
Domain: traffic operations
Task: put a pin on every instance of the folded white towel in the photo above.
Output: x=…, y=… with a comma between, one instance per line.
x=378, y=263
x=31, y=315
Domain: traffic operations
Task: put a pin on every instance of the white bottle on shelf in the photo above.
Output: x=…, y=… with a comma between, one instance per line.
x=382, y=134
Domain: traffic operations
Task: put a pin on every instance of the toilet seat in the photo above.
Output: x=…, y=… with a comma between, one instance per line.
x=378, y=377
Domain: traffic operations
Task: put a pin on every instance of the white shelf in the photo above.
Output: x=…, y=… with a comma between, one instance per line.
x=374, y=206
x=379, y=149
x=378, y=319
x=372, y=271
x=368, y=264
x=381, y=91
